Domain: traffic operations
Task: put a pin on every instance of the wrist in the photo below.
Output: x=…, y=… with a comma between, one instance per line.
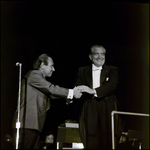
x=94, y=91
x=70, y=94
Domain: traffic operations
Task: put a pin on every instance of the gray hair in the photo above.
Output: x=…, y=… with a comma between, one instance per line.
x=97, y=46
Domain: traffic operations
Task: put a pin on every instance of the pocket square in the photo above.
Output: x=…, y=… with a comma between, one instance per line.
x=107, y=78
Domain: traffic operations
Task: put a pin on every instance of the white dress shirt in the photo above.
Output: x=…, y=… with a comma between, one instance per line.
x=70, y=94
x=96, y=73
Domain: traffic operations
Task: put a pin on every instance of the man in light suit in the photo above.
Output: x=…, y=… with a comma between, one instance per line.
x=100, y=82
x=36, y=92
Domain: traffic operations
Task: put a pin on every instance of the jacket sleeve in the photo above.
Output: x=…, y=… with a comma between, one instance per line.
x=37, y=81
x=110, y=84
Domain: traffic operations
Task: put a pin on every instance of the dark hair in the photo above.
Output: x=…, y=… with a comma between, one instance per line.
x=49, y=133
x=39, y=60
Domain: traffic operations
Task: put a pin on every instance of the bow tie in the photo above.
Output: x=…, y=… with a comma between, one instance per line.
x=96, y=68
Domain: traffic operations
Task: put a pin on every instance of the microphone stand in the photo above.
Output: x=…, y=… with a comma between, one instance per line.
x=18, y=107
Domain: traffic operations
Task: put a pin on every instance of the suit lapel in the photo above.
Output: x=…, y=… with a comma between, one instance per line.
x=89, y=76
x=89, y=79
x=104, y=73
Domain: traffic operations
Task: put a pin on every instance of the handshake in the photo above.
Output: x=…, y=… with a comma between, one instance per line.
x=82, y=88
x=77, y=92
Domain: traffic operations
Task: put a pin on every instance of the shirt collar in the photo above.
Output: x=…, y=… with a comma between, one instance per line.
x=96, y=68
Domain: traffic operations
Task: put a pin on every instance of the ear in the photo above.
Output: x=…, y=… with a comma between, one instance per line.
x=42, y=65
x=90, y=56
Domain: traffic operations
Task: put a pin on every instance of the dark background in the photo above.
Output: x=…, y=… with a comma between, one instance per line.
x=66, y=30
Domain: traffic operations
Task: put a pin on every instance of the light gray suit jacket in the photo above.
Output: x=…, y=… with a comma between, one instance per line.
x=35, y=100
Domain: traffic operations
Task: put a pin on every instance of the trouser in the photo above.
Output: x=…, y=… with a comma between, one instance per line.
x=28, y=139
x=98, y=124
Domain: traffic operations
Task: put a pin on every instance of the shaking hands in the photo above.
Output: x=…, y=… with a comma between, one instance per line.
x=77, y=92
x=82, y=88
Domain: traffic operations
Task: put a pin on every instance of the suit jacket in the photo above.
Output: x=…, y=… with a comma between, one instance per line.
x=108, y=84
x=108, y=81
x=35, y=100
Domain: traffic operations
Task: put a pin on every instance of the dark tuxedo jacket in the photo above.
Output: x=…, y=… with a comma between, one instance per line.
x=108, y=85
x=35, y=100
x=108, y=81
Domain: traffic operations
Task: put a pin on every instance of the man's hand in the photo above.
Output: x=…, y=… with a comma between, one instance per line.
x=84, y=88
x=76, y=93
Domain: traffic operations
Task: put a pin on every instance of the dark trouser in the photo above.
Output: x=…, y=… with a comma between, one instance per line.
x=98, y=124
x=28, y=139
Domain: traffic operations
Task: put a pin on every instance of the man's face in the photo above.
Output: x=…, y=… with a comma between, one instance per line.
x=97, y=56
x=48, y=70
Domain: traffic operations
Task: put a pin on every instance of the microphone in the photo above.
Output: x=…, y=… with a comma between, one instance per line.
x=17, y=64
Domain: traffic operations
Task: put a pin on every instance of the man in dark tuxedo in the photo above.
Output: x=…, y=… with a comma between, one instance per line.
x=36, y=93
x=100, y=82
